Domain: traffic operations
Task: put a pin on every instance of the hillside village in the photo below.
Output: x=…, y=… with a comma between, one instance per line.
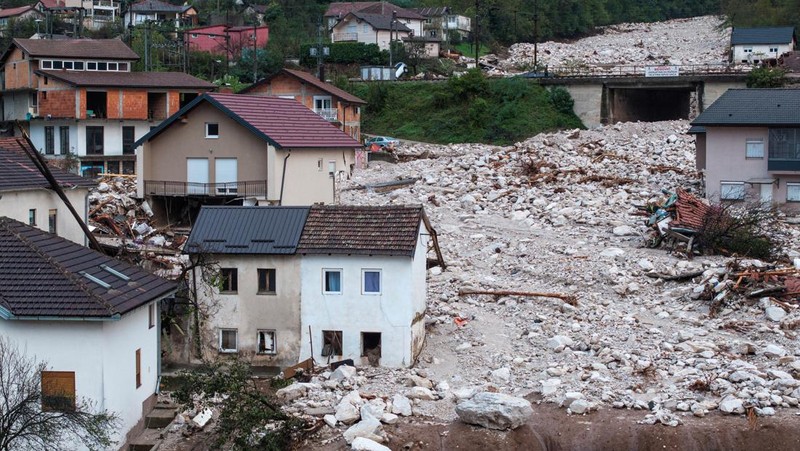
x=191, y=260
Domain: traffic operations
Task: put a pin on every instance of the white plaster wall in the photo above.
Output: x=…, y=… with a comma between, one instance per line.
x=37, y=135
x=760, y=52
x=725, y=158
x=306, y=182
x=102, y=356
x=112, y=134
x=15, y=105
x=15, y=205
x=352, y=312
x=419, y=299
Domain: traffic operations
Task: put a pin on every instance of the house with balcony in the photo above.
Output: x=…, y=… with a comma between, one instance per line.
x=226, y=40
x=372, y=22
x=409, y=18
x=79, y=97
x=234, y=148
x=161, y=12
x=334, y=105
x=754, y=45
x=750, y=147
x=441, y=22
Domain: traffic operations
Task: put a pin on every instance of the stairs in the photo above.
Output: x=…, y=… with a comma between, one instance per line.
x=150, y=438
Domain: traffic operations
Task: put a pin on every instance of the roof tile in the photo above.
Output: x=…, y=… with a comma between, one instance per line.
x=77, y=48
x=17, y=172
x=129, y=79
x=753, y=107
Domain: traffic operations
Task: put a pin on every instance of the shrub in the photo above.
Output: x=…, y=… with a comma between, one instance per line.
x=766, y=77
x=561, y=100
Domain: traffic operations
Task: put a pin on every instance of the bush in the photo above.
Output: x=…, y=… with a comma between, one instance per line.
x=743, y=231
x=766, y=77
x=561, y=100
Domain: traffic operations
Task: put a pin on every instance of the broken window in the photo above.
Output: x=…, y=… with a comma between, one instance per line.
x=332, y=281
x=96, y=104
x=331, y=342
x=371, y=347
x=58, y=391
x=266, y=281
x=228, y=340
x=371, y=281
x=266, y=342
x=229, y=280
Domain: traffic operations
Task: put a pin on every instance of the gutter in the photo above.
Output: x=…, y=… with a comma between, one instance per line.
x=6, y=314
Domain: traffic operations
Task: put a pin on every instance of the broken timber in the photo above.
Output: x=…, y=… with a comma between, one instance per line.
x=677, y=277
x=569, y=299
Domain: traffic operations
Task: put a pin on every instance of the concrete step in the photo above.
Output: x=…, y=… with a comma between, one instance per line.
x=146, y=441
x=160, y=418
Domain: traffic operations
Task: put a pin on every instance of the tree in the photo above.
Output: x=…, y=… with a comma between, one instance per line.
x=24, y=424
x=766, y=77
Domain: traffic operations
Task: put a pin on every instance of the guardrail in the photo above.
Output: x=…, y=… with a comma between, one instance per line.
x=602, y=71
x=231, y=189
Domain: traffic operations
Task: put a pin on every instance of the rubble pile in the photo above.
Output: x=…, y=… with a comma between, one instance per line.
x=694, y=41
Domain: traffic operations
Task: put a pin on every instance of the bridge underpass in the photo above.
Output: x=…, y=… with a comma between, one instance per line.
x=649, y=104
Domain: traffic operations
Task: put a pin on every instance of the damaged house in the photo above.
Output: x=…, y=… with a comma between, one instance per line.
x=354, y=278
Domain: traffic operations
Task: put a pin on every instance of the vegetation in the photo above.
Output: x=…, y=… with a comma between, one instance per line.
x=766, y=77
x=470, y=108
x=744, y=232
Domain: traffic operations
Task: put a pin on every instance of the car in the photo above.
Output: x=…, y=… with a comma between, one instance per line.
x=381, y=142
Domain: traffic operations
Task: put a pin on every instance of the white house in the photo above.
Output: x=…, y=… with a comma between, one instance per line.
x=93, y=319
x=753, y=45
x=370, y=29
x=26, y=195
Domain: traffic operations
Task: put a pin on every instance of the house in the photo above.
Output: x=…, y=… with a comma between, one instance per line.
x=92, y=14
x=19, y=13
x=26, y=195
x=93, y=319
x=226, y=40
x=224, y=148
x=750, y=149
x=335, y=105
x=337, y=11
x=369, y=29
x=161, y=12
x=79, y=96
x=441, y=22
x=330, y=282
x=753, y=45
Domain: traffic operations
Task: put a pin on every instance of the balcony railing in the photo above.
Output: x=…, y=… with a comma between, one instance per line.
x=329, y=114
x=256, y=188
x=338, y=37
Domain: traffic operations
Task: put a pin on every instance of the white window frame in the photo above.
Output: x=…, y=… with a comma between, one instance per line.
x=724, y=194
x=773, y=50
x=47, y=64
x=364, y=291
x=274, y=341
x=747, y=152
x=236, y=341
x=325, y=272
x=208, y=136
x=795, y=198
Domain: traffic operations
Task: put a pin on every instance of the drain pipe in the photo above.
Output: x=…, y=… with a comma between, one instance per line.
x=283, y=177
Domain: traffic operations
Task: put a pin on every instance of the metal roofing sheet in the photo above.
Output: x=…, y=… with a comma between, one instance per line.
x=247, y=230
x=753, y=107
x=765, y=35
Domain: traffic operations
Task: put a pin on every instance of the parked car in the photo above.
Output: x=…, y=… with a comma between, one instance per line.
x=381, y=142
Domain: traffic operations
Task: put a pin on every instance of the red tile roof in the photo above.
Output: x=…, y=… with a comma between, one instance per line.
x=98, y=49
x=11, y=12
x=312, y=80
x=129, y=79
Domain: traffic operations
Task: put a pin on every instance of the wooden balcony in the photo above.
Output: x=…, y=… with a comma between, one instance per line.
x=257, y=188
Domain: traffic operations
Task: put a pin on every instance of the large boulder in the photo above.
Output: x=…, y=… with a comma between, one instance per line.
x=401, y=405
x=365, y=444
x=494, y=411
x=368, y=428
x=343, y=373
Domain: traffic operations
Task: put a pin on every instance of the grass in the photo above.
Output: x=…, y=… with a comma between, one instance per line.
x=467, y=49
x=467, y=109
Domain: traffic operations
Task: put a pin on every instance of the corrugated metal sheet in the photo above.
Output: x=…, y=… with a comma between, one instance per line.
x=753, y=107
x=247, y=230
x=774, y=35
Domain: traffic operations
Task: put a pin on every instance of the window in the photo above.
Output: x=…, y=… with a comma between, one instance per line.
x=58, y=65
x=748, y=50
x=331, y=342
x=266, y=342
x=47, y=64
x=32, y=217
x=91, y=65
x=128, y=138
x=151, y=316
x=51, y=221
x=230, y=280
x=49, y=140
x=366, y=28
x=432, y=33
x=331, y=167
x=773, y=50
x=755, y=148
x=58, y=391
x=63, y=135
x=68, y=65
x=731, y=191
x=319, y=165
x=212, y=130
x=94, y=140
x=78, y=65
x=371, y=345
x=102, y=66
x=228, y=340
x=266, y=281
x=332, y=281
x=122, y=67
x=138, y=368
x=112, y=66
x=793, y=192
x=371, y=281
x=194, y=36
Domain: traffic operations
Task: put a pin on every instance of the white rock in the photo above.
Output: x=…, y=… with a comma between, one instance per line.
x=612, y=252
x=778, y=374
x=624, y=230
x=401, y=405
x=731, y=404
x=501, y=376
x=775, y=351
x=365, y=444
x=579, y=406
x=389, y=418
x=420, y=393
x=343, y=373
x=330, y=420
x=550, y=386
x=775, y=314
x=494, y=411
x=369, y=428
x=559, y=342
x=292, y=392
x=646, y=264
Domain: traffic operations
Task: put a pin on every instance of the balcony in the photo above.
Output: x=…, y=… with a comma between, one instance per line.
x=329, y=114
x=342, y=37
x=256, y=188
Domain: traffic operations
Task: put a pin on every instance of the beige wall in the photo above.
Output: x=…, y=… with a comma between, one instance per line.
x=307, y=180
x=16, y=204
x=249, y=312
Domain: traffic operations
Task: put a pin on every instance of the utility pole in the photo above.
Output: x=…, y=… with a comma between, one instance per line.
x=391, y=45
x=477, y=32
x=320, y=52
x=536, y=36
x=255, y=52
x=147, y=46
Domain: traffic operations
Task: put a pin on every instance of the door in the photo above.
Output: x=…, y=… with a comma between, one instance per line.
x=196, y=175
x=766, y=193
x=225, y=175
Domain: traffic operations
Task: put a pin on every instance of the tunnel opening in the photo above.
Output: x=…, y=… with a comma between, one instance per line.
x=650, y=104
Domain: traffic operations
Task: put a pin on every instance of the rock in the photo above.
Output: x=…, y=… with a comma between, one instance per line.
x=775, y=314
x=292, y=392
x=416, y=381
x=501, y=376
x=103, y=187
x=579, y=406
x=401, y=405
x=570, y=397
x=646, y=264
x=343, y=373
x=559, y=342
x=765, y=412
x=612, y=252
x=624, y=230
x=330, y=420
x=365, y=444
x=389, y=418
x=463, y=393
x=371, y=411
x=550, y=386
x=369, y=428
x=731, y=404
x=420, y=393
x=494, y=411
x=775, y=351
x=347, y=413
x=778, y=374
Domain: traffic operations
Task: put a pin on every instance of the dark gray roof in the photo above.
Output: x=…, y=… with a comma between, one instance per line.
x=435, y=11
x=44, y=276
x=380, y=22
x=778, y=35
x=247, y=230
x=17, y=172
x=763, y=107
x=695, y=130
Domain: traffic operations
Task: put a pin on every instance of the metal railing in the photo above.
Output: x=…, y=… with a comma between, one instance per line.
x=601, y=71
x=337, y=37
x=329, y=114
x=256, y=188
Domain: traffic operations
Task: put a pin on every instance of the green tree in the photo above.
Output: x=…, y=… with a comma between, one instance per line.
x=766, y=77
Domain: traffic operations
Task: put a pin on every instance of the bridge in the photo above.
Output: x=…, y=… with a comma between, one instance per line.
x=609, y=94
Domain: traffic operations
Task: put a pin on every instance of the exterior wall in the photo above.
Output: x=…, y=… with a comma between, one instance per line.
x=372, y=36
x=112, y=135
x=700, y=151
x=588, y=103
x=19, y=71
x=238, y=39
x=203, y=43
x=56, y=99
x=102, y=355
x=760, y=52
x=419, y=293
x=307, y=181
x=15, y=204
x=713, y=90
x=391, y=313
x=15, y=105
x=249, y=312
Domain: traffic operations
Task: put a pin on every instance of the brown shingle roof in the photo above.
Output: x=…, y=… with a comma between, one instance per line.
x=99, y=49
x=17, y=172
x=341, y=9
x=43, y=275
x=129, y=79
x=363, y=230
x=312, y=80
x=11, y=12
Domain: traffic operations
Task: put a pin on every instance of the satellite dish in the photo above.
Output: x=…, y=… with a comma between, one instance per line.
x=400, y=69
